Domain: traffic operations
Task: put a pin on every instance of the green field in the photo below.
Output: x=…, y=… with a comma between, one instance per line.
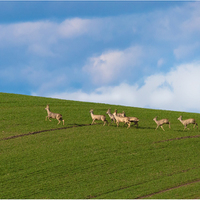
x=42, y=160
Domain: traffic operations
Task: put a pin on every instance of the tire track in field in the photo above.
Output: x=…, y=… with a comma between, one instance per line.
x=36, y=132
x=178, y=138
x=162, y=191
x=80, y=125
x=149, y=195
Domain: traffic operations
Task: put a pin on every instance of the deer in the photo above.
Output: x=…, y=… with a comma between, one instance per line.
x=98, y=117
x=53, y=115
x=187, y=121
x=161, y=122
x=120, y=114
x=111, y=116
x=134, y=119
x=121, y=119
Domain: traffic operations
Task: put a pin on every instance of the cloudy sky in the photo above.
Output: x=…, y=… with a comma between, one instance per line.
x=141, y=54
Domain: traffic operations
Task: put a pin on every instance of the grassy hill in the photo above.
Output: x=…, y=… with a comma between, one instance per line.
x=42, y=160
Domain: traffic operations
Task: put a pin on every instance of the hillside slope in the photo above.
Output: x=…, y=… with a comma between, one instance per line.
x=40, y=159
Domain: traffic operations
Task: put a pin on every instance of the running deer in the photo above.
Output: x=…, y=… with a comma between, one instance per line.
x=120, y=114
x=111, y=116
x=161, y=122
x=53, y=115
x=98, y=117
x=134, y=119
x=187, y=121
x=121, y=119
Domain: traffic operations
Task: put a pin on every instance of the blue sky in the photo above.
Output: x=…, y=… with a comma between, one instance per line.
x=142, y=54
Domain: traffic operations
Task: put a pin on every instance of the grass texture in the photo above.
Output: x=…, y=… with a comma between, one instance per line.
x=42, y=160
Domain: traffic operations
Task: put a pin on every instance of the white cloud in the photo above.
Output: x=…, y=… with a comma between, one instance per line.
x=191, y=24
x=42, y=33
x=160, y=62
x=177, y=24
x=184, y=51
x=171, y=25
x=40, y=50
x=176, y=90
x=48, y=32
x=74, y=27
x=25, y=33
x=110, y=65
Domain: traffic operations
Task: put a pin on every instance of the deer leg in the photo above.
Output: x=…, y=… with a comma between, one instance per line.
x=49, y=119
x=129, y=124
x=194, y=125
x=93, y=121
x=136, y=123
x=162, y=128
x=106, y=122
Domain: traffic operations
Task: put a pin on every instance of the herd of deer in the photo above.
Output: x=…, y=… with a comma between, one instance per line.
x=115, y=117
x=121, y=117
